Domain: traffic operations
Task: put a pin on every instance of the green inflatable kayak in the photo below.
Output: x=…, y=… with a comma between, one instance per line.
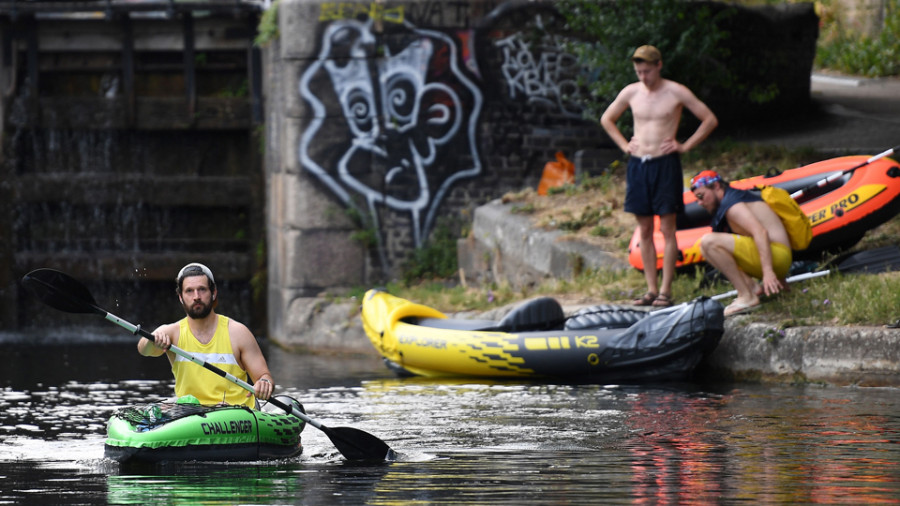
x=186, y=430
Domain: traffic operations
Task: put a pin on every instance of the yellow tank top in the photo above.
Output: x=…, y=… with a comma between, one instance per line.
x=205, y=385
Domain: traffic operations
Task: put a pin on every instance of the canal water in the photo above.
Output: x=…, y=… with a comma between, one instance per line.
x=459, y=442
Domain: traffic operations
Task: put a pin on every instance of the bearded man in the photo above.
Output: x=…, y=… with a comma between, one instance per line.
x=216, y=339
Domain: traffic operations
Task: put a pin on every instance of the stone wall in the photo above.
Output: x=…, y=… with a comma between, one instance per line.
x=386, y=120
x=864, y=17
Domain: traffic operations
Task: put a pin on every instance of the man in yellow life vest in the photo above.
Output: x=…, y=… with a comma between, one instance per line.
x=217, y=339
x=748, y=240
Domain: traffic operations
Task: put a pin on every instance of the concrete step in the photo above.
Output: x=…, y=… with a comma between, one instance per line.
x=505, y=248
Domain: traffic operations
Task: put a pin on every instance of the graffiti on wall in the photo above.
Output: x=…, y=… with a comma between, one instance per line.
x=375, y=11
x=395, y=131
x=421, y=12
x=537, y=68
x=395, y=108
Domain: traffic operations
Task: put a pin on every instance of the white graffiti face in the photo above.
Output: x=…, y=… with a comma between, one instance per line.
x=397, y=125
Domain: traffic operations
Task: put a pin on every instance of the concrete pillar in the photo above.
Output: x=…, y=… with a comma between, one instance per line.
x=310, y=234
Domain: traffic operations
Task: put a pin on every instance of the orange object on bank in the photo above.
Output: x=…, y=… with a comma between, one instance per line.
x=557, y=173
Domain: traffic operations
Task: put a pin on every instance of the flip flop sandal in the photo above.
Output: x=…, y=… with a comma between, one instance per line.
x=645, y=300
x=737, y=308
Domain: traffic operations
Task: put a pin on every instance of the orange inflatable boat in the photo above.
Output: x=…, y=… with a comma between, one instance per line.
x=843, y=197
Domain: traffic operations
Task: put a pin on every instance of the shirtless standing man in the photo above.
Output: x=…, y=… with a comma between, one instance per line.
x=655, y=182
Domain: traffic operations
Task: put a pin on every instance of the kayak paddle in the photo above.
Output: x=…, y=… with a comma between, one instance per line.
x=792, y=279
x=63, y=292
x=822, y=182
x=877, y=260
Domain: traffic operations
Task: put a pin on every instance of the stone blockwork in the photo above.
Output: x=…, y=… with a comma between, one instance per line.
x=506, y=248
x=865, y=356
x=387, y=120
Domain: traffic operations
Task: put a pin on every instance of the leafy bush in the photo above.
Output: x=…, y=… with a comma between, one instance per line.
x=268, y=26
x=842, y=49
x=435, y=259
x=688, y=35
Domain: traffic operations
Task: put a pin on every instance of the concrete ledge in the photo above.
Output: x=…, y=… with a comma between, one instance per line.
x=318, y=325
x=865, y=356
x=749, y=351
x=840, y=81
x=504, y=247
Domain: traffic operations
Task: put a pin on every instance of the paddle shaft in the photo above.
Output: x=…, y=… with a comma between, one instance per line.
x=732, y=293
x=799, y=193
x=137, y=330
x=798, y=277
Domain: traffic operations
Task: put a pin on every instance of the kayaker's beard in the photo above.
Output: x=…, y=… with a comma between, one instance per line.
x=198, y=310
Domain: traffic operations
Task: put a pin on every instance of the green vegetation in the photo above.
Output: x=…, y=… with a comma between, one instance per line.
x=365, y=235
x=696, y=38
x=235, y=90
x=836, y=299
x=268, y=26
x=846, y=49
x=687, y=34
x=736, y=160
x=436, y=258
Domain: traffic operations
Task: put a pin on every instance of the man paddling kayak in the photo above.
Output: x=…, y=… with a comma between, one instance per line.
x=216, y=338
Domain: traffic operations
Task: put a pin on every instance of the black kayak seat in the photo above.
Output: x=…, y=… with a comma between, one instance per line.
x=543, y=313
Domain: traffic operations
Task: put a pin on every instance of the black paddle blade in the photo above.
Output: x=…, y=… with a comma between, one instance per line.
x=60, y=291
x=871, y=261
x=355, y=444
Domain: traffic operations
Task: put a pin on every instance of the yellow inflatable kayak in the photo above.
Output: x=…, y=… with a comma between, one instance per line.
x=536, y=339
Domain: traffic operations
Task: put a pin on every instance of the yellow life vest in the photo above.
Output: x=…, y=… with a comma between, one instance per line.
x=795, y=221
x=208, y=387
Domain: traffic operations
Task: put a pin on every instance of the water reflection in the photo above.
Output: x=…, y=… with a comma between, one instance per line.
x=469, y=442
x=202, y=484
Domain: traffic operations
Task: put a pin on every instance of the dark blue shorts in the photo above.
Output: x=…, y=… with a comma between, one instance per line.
x=654, y=187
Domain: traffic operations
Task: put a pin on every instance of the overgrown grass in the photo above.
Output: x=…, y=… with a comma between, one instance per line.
x=736, y=160
x=837, y=299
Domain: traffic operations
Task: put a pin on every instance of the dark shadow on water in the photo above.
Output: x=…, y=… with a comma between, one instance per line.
x=41, y=363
